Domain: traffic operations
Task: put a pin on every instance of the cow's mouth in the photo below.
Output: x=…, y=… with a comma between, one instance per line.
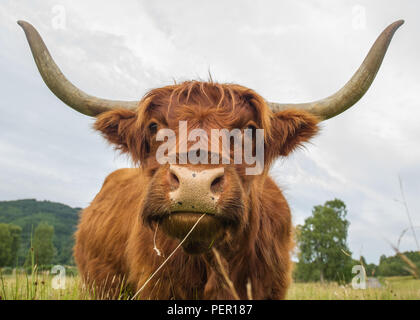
x=207, y=231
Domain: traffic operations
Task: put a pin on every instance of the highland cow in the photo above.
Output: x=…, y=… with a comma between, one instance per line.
x=234, y=228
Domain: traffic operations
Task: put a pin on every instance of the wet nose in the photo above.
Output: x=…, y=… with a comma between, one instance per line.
x=195, y=191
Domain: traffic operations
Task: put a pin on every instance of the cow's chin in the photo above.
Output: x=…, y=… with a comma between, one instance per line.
x=206, y=233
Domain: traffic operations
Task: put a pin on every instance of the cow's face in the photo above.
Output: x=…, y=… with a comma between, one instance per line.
x=206, y=149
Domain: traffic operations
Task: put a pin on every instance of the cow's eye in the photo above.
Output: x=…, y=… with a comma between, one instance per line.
x=251, y=127
x=153, y=127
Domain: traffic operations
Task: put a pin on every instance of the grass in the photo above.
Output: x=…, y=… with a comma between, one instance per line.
x=39, y=287
x=393, y=288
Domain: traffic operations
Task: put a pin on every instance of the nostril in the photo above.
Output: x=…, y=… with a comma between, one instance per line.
x=173, y=181
x=216, y=181
x=217, y=184
x=152, y=172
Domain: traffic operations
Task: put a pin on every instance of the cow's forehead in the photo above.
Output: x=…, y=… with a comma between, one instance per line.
x=208, y=115
x=205, y=105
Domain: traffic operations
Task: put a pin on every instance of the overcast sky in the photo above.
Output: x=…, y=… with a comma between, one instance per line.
x=288, y=51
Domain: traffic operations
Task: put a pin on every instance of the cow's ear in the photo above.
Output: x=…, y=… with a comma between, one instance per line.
x=290, y=129
x=116, y=126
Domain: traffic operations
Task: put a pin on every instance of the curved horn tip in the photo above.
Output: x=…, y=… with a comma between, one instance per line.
x=26, y=26
x=23, y=23
x=395, y=25
x=399, y=22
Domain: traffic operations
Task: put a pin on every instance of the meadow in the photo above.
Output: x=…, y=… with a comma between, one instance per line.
x=393, y=288
x=41, y=287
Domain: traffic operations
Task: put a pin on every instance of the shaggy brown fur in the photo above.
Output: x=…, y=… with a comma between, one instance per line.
x=114, y=240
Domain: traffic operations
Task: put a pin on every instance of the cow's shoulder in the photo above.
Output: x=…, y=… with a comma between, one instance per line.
x=121, y=188
x=122, y=183
x=274, y=199
x=123, y=175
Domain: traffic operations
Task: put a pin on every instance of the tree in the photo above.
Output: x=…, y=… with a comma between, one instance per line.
x=42, y=244
x=396, y=266
x=5, y=245
x=9, y=244
x=322, y=242
x=15, y=232
x=370, y=268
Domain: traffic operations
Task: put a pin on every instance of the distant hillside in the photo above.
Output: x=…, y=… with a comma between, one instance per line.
x=29, y=213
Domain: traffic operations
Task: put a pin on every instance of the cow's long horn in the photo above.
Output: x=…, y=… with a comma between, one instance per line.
x=58, y=83
x=352, y=90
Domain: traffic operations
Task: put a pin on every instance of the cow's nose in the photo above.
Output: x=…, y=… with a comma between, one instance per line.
x=195, y=190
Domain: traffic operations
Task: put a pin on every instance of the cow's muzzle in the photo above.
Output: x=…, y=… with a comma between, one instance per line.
x=194, y=192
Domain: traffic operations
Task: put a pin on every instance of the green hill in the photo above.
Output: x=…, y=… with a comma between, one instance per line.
x=29, y=213
x=395, y=266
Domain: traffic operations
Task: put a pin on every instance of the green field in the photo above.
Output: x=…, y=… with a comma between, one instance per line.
x=393, y=288
x=24, y=287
